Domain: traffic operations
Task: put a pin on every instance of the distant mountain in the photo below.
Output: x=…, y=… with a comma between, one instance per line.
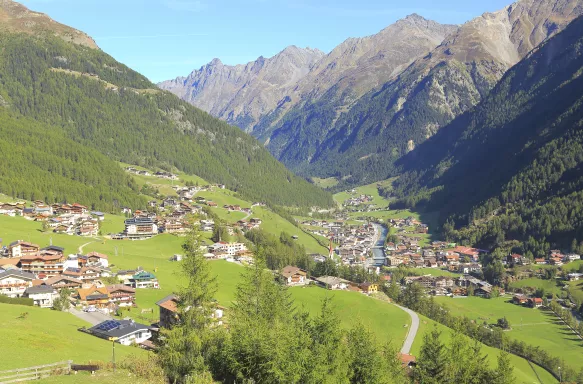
x=512, y=167
x=350, y=70
x=386, y=123
x=372, y=100
x=84, y=95
x=241, y=94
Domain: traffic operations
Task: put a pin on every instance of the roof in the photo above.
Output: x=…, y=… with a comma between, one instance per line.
x=55, y=279
x=53, y=248
x=169, y=303
x=290, y=271
x=117, y=328
x=93, y=290
x=97, y=254
x=331, y=280
x=25, y=243
x=39, y=289
x=120, y=287
x=10, y=261
x=17, y=273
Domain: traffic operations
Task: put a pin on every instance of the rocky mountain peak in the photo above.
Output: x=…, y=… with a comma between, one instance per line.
x=15, y=17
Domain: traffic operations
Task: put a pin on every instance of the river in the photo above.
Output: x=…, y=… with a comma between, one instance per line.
x=378, y=254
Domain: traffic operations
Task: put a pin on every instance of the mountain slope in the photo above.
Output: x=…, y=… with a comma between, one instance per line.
x=388, y=122
x=241, y=94
x=101, y=104
x=512, y=167
x=15, y=17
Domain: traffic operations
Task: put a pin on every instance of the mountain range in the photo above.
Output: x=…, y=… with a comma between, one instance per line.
x=58, y=84
x=360, y=108
x=511, y=168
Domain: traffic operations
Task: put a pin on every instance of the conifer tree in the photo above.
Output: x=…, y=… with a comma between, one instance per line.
x=432, y=360
x=185, y=346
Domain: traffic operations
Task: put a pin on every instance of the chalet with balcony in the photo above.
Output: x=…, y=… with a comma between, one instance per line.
x=293, y=275
x=143, y=279
x=94, y=296
x=45, y=264
x=13, y=283
x=21, y=248
x=122, y=295
x=140, y=228
x=61, y=281
x=95, y=259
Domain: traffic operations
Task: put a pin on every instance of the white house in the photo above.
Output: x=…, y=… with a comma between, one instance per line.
x=13, y=282
x=43, y=295
x=125, y=332
x=230, y=249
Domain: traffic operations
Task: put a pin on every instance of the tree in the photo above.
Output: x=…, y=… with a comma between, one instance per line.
x=367, y=364
x=504, y=373
x=432, y=360
x=62, y=303
x=503, y=323
x=220, y=232
x=186, y=345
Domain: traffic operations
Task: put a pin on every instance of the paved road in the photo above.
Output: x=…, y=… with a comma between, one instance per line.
x=91, y=317
x=412, y=330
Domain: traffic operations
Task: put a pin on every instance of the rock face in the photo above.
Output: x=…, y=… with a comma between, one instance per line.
x=241, y=94
x=367, y=103
x=15, y=17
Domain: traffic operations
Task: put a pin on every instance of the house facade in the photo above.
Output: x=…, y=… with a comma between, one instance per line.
x=13, y=282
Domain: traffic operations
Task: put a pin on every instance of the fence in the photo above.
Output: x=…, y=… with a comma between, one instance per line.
x=35, y=373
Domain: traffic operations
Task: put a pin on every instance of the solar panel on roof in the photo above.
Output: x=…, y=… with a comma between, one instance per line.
x=109, y=325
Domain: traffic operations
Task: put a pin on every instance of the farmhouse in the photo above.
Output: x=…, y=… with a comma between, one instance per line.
x=168, y=310
x=293, y=275
x=121, y=295
x=93, y=296
x=332, y=282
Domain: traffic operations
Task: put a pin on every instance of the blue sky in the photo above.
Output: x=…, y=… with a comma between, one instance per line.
x=163, y=39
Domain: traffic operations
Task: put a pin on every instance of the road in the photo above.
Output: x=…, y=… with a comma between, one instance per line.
x=91, y=317
x=82, y=246
x=406, y=349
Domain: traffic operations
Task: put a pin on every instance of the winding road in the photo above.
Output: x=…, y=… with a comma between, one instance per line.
x=406, y=349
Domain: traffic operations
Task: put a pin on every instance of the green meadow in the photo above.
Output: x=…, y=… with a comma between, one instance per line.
x=43, y=336
x=533, y=326
x=524, y=373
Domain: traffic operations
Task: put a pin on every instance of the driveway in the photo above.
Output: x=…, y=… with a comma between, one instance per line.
x=412, y=330
x=91, y=317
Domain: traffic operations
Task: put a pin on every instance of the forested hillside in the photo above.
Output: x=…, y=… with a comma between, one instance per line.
x=104, y=105
x=512, y=168
x=41, y=163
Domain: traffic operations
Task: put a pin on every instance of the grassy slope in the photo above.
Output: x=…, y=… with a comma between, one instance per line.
x=533, y=326
x=46, y=336
x=550, y=286
x=523, y=372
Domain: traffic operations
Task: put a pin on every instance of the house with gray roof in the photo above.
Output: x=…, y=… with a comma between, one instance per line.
x=125, y=332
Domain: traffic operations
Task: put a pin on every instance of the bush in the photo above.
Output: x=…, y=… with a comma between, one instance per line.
x=16, y=300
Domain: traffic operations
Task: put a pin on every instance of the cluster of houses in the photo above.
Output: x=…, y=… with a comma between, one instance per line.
x=229, y=251
x=294, y=276
x=555, y=257
x=439, y=254
x=27, y=270
x=357, y=200
x=456, y=286
x=354, y=242
x=160, y=174
x=532, y=302
x=70, y=219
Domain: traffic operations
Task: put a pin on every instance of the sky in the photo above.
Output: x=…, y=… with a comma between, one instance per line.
x=163, y=39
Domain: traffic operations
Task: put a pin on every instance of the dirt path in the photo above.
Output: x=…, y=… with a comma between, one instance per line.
x=83, y=246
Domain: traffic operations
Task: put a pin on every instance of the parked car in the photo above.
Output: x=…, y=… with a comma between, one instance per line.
x=90, y=309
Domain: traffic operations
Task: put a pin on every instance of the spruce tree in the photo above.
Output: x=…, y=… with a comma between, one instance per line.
x=185, y=346
x=432, y=359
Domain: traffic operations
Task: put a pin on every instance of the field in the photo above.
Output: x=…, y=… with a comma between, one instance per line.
x=44, y=336
x=386, y=321
x=550, y=286
x=533, y=326
x=325, y=183
x=524, y=373
x=432, y=272
x=371, y=190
